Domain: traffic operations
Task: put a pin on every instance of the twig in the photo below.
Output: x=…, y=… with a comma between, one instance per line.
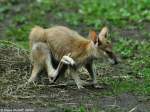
x=27, y=97
x=133, y=109
x=65, y=84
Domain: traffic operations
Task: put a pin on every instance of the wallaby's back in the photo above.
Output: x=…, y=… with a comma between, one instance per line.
x=60, y=40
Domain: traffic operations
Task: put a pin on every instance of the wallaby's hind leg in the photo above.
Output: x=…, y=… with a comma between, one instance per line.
x=50, y=70
x=36, y=69
x=41, y=57
x=66, y=60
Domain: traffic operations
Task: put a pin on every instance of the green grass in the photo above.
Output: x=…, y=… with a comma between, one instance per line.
x=94, y=13
x=136, y=56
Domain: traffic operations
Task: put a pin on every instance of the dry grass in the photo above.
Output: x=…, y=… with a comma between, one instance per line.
x=15, y=68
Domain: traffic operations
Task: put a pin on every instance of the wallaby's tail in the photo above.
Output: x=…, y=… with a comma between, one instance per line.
x=37, y=34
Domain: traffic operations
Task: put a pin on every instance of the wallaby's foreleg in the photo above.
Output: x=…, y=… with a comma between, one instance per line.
x=92, y=71
x=80, y=83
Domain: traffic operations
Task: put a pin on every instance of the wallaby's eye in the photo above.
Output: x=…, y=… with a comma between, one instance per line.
x=108, y=42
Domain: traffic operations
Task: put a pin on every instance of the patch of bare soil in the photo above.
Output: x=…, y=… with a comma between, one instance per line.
x=138, y=31
x=15, y=69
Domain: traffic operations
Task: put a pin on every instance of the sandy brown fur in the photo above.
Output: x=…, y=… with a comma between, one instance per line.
x=59, y=41
x=62, y=41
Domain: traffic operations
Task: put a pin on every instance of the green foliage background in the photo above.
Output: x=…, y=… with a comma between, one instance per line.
x=22, y=15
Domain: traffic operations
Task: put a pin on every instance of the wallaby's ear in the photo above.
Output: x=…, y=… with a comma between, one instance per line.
x=93, y=36
x=103, y=33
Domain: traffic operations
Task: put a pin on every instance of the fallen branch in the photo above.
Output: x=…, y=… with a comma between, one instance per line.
x=71, y=84
x=26, y=97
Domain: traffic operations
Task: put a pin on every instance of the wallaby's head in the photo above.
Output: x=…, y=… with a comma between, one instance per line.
x=102, y=43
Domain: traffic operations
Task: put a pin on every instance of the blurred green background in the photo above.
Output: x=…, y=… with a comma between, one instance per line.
x=17, y=17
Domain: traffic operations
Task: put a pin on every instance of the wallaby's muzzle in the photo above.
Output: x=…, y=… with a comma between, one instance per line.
x=112, y=56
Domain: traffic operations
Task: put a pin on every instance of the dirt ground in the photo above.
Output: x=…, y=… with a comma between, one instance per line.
x=15, y=69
